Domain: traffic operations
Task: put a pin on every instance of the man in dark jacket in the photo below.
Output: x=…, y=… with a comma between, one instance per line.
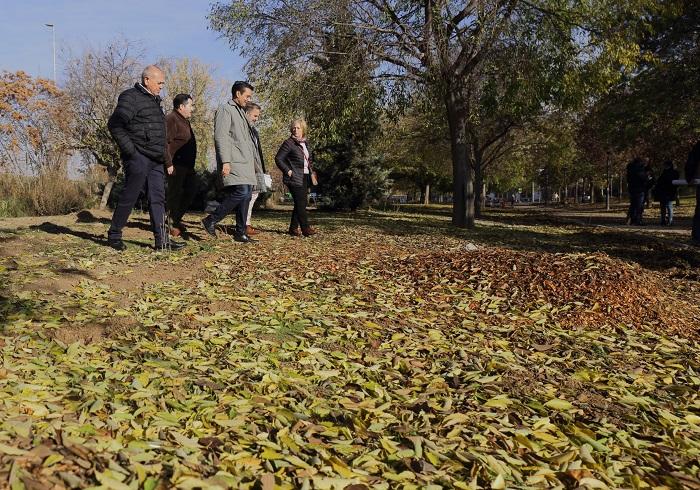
x=182, y=149
x=138, y=127
x=637, y=184
x=692, y=171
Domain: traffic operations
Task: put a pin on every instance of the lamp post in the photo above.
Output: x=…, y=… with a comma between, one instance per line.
x=53, y=38
x=607, y=194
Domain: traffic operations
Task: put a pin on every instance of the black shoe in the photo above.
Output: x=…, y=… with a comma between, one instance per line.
x=209, y=226
x=242, y=238
x=116, y=244
x=170, y=245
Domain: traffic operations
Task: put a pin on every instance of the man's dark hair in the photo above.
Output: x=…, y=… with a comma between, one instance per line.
x=240, y=86
x=252, y=106
x=668, y=164
x=180, y=99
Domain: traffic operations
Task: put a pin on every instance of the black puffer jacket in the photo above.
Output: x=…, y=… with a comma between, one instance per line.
x=290, y=156
x=665, y=191
x=138, y=124
x=637, y=176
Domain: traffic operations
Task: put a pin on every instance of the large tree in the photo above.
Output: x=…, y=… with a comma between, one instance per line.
x=191, y=76
x=437, y=44
x=334, y=92
x=654, y=110
x=34, y=120
x=94, y=81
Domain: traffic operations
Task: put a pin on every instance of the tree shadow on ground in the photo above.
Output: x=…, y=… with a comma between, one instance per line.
x=134, y=222
x=580, y=217
x=54, y=229
x=651, y=251
x=87, y=217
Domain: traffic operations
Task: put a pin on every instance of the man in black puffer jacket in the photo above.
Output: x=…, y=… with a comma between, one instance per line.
x=138, y=127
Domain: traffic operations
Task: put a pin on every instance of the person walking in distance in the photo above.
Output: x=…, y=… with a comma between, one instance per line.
x=294, y=160
x=252, y=112
x=182, y=148
x=637, y=180
x=235, y=158
x=666, y=193
x=138, y=127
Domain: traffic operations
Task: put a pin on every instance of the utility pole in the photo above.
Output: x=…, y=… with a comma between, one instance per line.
x=607, y=194
x=53, y=37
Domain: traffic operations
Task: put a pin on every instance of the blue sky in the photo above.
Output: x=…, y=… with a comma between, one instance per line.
x=164, y=28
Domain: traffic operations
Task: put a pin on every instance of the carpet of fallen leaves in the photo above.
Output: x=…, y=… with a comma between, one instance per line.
x=352, y=360
x=581, y=289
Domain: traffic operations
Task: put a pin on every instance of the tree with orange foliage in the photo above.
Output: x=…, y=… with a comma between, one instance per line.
x=34, y=122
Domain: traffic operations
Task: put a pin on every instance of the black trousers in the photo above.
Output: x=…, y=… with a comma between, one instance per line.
x=696, y=216
x=182, y=186
x=636, y=207
x=299, y=215
x=140, y=170
x=236, y=198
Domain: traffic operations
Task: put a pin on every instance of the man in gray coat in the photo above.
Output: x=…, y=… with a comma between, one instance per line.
x=235, y=157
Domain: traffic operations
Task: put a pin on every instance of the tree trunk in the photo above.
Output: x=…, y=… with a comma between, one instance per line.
x=107, y=191
x=426, y=196
x=463, y=182
x=479, y=186
x=619, y=196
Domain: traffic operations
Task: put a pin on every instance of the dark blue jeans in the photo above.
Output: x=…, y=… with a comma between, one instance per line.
x=236, y=198
x=696, y=216
x=140, y=170
x=666, y=212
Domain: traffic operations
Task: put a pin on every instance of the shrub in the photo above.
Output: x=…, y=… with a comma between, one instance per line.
x=350, y=182
x=48, y=194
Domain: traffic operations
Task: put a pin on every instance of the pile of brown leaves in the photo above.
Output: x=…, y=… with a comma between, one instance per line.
x=582, y=289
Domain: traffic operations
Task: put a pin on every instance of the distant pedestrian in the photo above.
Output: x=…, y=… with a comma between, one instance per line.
x=235, y=158
x=138, y=127
x=692, y=171
x=182, y=148
x=294, y=160
x=637, y=180
x=252, y=112
x=649, y=184
x=666, y=193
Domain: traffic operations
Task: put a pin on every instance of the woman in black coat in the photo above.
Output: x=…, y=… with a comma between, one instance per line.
x=294, y=160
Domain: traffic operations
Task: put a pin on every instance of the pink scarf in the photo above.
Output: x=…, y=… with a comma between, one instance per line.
x=302, y=143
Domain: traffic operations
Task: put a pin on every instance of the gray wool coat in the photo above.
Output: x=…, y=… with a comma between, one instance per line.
x=234, y=145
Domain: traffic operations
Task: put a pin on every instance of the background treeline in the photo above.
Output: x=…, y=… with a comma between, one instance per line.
x=433, y=100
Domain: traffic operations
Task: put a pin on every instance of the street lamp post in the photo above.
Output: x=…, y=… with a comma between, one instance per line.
x=53, y=38
x=607, y=197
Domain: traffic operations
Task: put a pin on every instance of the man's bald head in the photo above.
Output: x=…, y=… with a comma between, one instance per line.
x=153, y=79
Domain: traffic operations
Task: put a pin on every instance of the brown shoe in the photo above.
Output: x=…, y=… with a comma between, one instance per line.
x=295, y=231
x=249, y=230
x=308, y=231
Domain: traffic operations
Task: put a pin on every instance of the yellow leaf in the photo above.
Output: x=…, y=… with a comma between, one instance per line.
x=559, y=404
x=498, y=483
x=498, y=402
x=11, y=451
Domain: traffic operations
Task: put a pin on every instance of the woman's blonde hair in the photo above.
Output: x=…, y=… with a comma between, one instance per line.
x=302, y=123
